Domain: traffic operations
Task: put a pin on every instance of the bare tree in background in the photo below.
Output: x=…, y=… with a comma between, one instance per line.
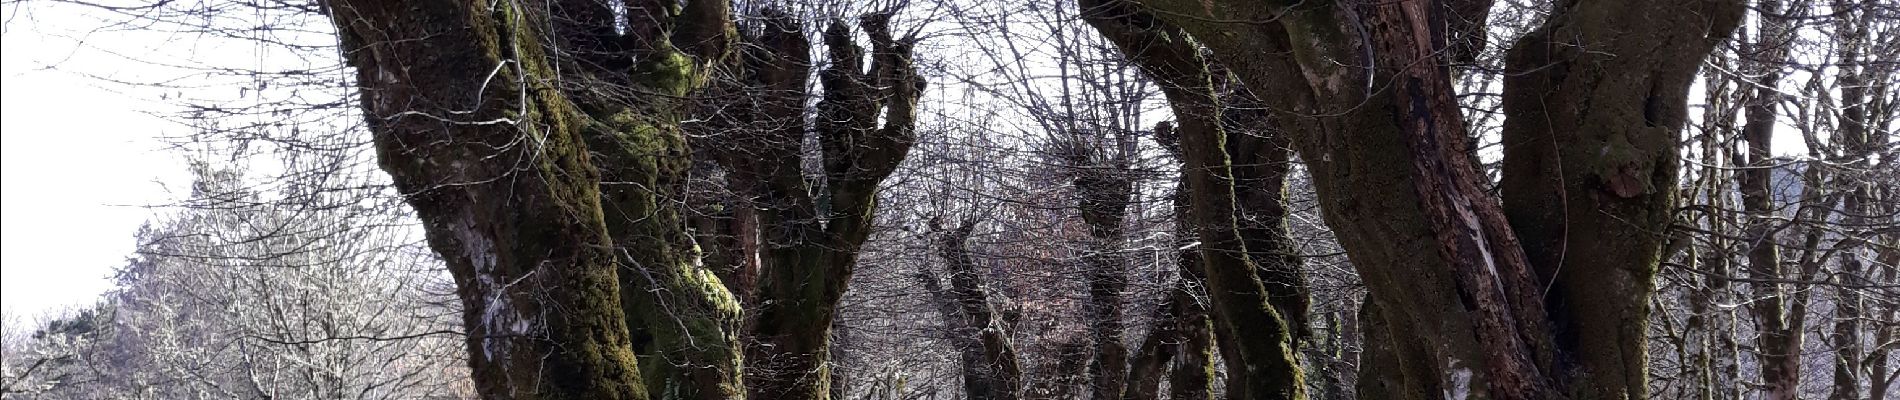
x=239, y=297
x=711, y=199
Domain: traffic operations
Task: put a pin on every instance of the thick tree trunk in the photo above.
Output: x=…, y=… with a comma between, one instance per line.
x=683, y=319
x=505, y=165
x=520, y=243
x=1262, y=157
x=1260, y=333
x=1391, y=368
x=1589, y=187
x=1395, y=182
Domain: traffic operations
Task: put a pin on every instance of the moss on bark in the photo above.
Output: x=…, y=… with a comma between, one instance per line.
x=506, y=191
x=1380, y=213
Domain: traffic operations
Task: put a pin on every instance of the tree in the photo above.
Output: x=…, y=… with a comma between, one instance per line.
x=556, y=190
x=1589, y=141
x=713, y=199
x=1260, y=322
x=990, y=367
x=811, y=229
x=549, y=202
x=241, y=295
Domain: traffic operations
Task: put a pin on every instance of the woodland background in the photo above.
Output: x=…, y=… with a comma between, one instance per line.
x=998, y=200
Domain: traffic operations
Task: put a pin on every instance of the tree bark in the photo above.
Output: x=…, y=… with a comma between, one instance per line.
x=1102, y=183
x=1193, y=373
x=506, y=165
x=810, y=242
x=1780, y=328
x=1395, y=184
x=1262, y=157
x=1260, y=332
x=1150, y=361
x=990, y=367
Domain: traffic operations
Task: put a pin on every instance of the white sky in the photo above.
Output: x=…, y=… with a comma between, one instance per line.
x=77, y=163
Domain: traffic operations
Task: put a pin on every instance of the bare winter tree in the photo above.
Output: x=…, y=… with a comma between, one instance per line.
x=237, y=296
x=710, y=199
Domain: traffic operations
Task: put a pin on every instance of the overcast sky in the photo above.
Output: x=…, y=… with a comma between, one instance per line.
x=77, y=163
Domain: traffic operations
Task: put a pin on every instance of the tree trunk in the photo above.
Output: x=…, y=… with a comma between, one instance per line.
x=810, y=242
x=1780, y=328
x=1857, y=138
x=990, y=367
x=1102, y=183
x=1260, y=333
x=505, y=164
x=1258, y=330
x=1395, y=182
x=1391, y=368
x=1193, y=374
x=1881, y=374
x=1149, y=365
x=1262, y=157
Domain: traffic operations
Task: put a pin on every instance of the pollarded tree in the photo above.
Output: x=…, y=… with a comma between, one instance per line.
x=1593, y=104
x=539, y=144
x=809, y=231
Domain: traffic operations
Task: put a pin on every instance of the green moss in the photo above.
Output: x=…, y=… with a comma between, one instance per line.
x=683, y=318
x=667, y=71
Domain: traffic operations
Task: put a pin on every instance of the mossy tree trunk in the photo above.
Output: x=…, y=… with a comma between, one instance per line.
x=810, y=230
x=1590, y=176
x=1260, y=333
x=545, y=194
x=1593, y=108
x=1193, y=372
x=1262, y=153
x=632, y=86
